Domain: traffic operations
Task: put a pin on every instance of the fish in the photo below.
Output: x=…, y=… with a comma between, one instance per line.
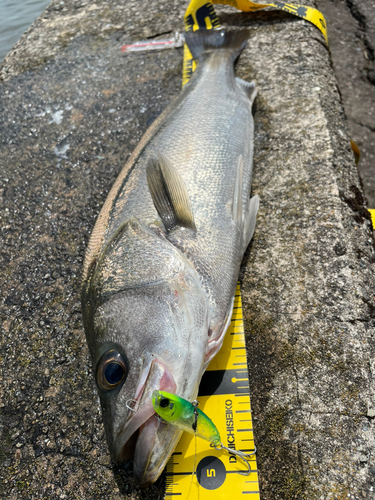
x=162, y=263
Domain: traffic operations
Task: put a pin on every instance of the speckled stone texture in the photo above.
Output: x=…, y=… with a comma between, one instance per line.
x=351, y=31
x=73, y=107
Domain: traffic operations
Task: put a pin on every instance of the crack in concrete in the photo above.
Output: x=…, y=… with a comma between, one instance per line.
x=356, y=14
x=332, y=413
x=372, y=129
x=362, y=35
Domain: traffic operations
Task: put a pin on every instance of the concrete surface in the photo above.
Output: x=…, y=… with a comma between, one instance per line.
x=73, y=109
x=351, y=31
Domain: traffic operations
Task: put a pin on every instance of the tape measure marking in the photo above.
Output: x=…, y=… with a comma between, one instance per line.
x=223, y=396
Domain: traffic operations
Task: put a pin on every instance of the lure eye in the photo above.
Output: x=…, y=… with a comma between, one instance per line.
x=164, y=402
x=112, y=370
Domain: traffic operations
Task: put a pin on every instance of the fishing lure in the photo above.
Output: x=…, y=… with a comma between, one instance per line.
x=187, y=417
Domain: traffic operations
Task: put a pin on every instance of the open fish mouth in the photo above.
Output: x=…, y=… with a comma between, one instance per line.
x=127, y=441
x=144, y=469
x=155, y=444
x=139, y=435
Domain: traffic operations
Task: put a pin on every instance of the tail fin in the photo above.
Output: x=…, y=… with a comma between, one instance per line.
x=202, y=41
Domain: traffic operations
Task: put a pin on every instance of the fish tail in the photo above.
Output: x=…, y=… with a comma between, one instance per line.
x=203, y=41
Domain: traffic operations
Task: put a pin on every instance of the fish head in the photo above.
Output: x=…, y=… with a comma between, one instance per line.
x=143, y=339
x=150, y=339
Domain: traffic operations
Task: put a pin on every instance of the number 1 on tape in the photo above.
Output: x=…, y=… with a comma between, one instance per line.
x=197, y=471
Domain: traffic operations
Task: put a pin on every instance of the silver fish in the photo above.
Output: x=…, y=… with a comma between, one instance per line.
x=163, y=260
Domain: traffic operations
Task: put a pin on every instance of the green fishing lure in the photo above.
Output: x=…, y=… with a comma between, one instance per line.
x=187, y=417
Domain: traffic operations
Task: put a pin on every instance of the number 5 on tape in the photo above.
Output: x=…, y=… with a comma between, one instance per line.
x=197, y=471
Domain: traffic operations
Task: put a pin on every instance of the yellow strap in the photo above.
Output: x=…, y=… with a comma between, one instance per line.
x=313, y=15
x=201, y=14
x=372, y=212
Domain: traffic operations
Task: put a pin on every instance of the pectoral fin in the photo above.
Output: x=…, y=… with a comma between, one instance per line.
x=169, y=194
x=250, y=219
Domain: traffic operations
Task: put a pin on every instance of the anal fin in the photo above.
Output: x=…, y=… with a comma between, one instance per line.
x=169, y=194
x=250, y=219
x=249, y=88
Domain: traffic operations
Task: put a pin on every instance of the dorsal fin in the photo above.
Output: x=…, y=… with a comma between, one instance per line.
x=249, y=88
x=169, y=194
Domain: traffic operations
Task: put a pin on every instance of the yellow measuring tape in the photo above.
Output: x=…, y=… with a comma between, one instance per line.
x=372, y=213
x=197, y=471
x=201, y=14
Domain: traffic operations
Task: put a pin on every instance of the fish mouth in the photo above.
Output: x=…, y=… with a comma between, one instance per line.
x=138, y=437
x=155, y=444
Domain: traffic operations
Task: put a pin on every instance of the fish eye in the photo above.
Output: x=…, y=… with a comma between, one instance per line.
x=112, y=370
x=164, y=402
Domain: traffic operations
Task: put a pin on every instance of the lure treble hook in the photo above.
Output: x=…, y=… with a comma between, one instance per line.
x=240, y=454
